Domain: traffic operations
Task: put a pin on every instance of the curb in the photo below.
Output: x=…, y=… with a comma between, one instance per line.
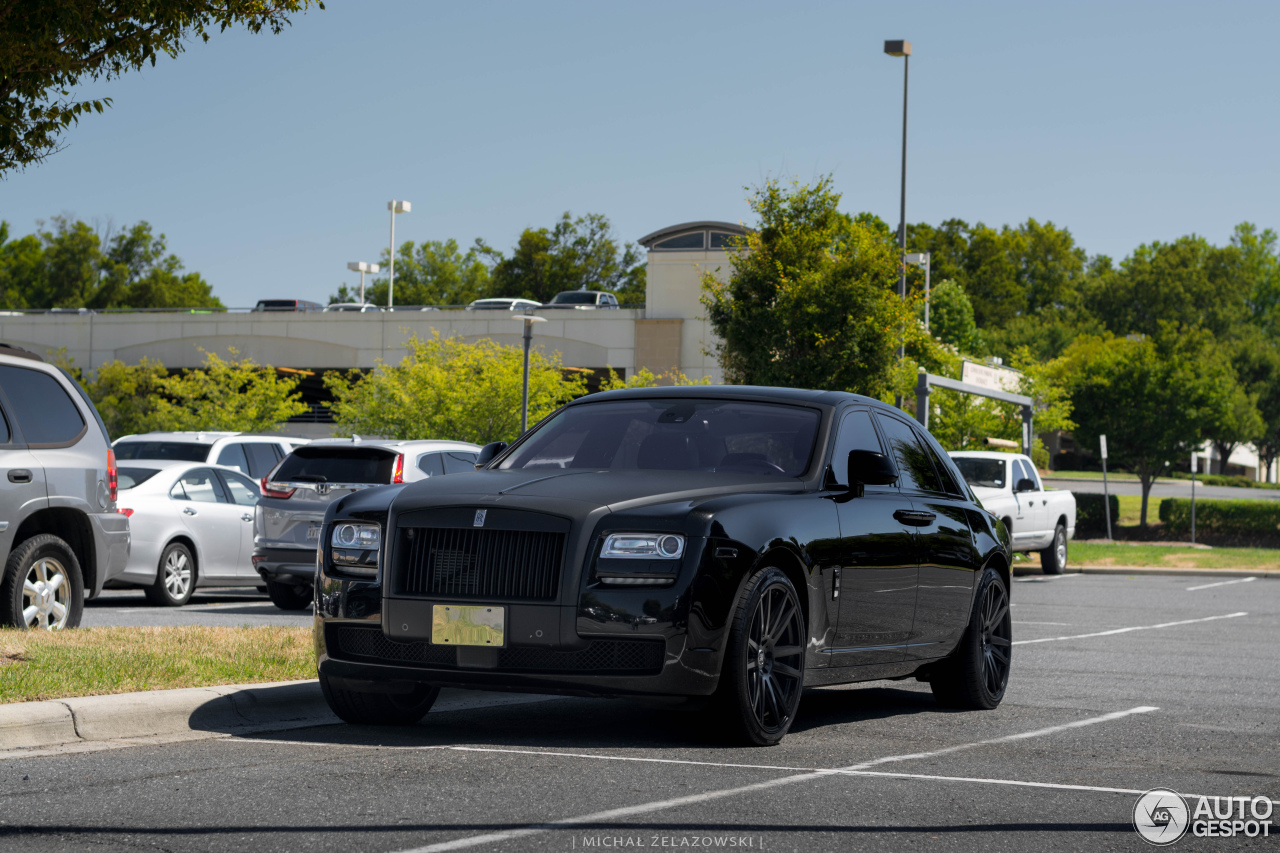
x=227, y=709
x=1019, y=571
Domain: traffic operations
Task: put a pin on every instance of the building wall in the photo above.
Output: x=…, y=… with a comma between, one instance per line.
x=673, y=290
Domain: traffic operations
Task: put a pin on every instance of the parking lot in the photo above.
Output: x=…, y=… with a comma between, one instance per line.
x=1120, y=685
x=232, y=606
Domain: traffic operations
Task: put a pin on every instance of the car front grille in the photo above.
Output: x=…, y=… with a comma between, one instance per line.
x=600, y=657
x=462, y=563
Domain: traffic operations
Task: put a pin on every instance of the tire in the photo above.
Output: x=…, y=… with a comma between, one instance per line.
x=378, y=709
x=1054, y=558
x=976, y=674
x=42, y=586
x=289, y=596
x=763, y=673
x=175, y=577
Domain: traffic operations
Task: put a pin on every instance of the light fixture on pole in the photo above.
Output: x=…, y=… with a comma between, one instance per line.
x=922, y=259
x=529, y=320
x=903, y=49
x=362, y=268
x=395, y=207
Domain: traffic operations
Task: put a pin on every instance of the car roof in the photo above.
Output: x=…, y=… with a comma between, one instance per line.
x=982, y=454
x=205, y=437
x=404, y=444
x=756, y=393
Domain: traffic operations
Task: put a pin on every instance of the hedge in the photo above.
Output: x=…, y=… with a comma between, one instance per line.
x=1223, y=517
x=1089, y=518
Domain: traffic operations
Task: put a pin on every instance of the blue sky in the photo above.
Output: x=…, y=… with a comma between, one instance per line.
x=268, y=160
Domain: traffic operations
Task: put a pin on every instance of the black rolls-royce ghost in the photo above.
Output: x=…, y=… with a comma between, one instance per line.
x=728, y=542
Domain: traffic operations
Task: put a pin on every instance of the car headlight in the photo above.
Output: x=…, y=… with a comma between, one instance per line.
x=355, y=546
x=643, y=546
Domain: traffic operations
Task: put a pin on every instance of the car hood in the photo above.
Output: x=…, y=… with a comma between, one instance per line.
x=583, y=490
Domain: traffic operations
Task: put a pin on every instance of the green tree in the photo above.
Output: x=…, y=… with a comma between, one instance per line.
x=1153, y=397
x=646, y=378
x=445, y=388
x=951, y=318
x=432, y=272
x=1260, y=268
x=50, y=47
x=234, y=394
x=1254, y=355
x=575, y=254
x=810, y=302
x=127, y=395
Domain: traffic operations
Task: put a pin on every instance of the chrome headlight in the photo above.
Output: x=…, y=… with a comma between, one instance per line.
x=355, y=545
x=643, y=546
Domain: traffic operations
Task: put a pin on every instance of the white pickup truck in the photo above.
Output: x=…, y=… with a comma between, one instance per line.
x=1010, y=488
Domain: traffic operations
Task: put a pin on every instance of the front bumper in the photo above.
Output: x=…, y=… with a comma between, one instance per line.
x=285, y=563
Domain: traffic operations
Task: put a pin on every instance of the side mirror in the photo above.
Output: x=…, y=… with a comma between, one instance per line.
x=871, y=468
x=1026, y=484
x=489, y=452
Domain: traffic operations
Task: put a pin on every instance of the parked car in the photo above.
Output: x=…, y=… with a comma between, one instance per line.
x=728, y=542
x=287, y=305
x=583, y=299
x=252, y=455
x=503, y=304
x=59, y=530
x=296, y=494
x=1010, y=489
x=192, y=526
x=353, y=307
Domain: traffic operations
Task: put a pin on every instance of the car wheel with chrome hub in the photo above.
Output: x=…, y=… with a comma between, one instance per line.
x=42, y=588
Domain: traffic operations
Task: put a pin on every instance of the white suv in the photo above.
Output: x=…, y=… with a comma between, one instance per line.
x=253, y=455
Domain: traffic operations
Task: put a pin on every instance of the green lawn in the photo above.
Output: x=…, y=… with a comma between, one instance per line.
x=36, y=665
x=1088, y=475
x=1168, y=556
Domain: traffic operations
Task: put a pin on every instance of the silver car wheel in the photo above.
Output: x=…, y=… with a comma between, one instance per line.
x=46, y=595
x=1060, y=546
x=177, y=574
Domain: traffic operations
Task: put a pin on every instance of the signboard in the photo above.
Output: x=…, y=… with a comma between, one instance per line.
x=990, y=376
x=1103, y=439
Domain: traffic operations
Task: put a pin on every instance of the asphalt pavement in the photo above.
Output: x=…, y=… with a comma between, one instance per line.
x=1120, y=685
x=1163, y=489
x=209, y=606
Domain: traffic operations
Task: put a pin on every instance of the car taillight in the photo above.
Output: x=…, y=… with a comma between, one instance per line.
x=275, y=490
x=397, y=476
x=127, y=513
x=113, y=476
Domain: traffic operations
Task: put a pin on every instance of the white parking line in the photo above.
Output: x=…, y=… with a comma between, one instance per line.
x=1127, y=630
x=1016, y=622
x=694, y=799
x=1220, y=583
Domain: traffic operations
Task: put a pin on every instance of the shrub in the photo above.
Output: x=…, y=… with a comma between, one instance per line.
x=1090, y=520
x=1222, y=517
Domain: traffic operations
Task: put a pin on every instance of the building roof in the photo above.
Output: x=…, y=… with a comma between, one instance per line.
x=703, y=225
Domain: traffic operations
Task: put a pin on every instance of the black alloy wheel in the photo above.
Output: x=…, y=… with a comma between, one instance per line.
x=288, y=596
x=763, y=674
x=977, y=673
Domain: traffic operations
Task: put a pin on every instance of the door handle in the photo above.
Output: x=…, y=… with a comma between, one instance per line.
x=20, y=475
x=914, y=518
x=246, y=517
x=188, y=510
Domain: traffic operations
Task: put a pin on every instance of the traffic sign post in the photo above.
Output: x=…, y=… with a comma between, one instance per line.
x=1106, y=492
x=1193, y=497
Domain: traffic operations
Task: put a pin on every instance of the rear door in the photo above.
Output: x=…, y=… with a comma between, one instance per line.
x=214, y=522
x=51, y=425
x=22, y=487
x=244, y=494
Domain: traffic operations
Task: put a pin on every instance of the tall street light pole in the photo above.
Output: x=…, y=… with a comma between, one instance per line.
x=903, y=49
x=362, y=268
x=529, y=320
x=395, y=207
x=923, y=259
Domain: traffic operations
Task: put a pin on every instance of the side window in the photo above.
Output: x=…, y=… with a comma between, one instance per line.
x=198, y=485
x=951, y=483
x=431, y=464
x=243, y=491
x=5, y=435
x=856, y=433
x=459, y=462
x=1023, y=470
x=262, y=458
x=914, y=465
x=233, y=457
x=45, y=414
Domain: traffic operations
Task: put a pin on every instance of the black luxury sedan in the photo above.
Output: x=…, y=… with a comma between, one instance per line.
x=726, y=542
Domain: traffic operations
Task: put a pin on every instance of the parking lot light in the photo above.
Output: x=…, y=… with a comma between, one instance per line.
x=528, y=320
x=362, y=268
x=395, y=207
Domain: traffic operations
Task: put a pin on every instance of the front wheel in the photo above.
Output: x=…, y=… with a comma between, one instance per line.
x=1054, y=558
x=763, y=673
x=378, y=709
x=976, y=674
x=42, y=586
x=289, y=596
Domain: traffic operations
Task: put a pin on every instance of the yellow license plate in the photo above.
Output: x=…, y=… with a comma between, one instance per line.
x=468, y=625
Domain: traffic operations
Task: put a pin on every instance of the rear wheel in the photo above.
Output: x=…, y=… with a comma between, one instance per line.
x=288, y=596
x=362, y=708
x=175, y=579
x=42, y=586
x=977, y=673
x=1054, y=558
x=763, y=673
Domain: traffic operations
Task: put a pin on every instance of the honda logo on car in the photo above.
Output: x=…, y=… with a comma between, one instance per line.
x=1162, y=817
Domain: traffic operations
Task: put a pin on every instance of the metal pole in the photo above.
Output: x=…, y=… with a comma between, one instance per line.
x=922, y=398
x=391, y=278
x=928, y=265
x=1193, y=499
x=1106, y=492
x=524, y=404
x=902, y=209
x=362, y=287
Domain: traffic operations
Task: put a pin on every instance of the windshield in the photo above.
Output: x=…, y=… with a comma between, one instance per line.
x=675, y=435
x=369, y=465
x=130, y=477
x=178, y=451
x=988, y=473
x=575, y=297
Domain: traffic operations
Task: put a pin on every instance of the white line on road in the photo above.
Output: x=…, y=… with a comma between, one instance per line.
x=694, y=799
x=1016, y=622
x=1220, y=583
x=1127, y=630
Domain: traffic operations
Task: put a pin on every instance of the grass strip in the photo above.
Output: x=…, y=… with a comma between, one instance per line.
x=38, y=665
x=1166, y=557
